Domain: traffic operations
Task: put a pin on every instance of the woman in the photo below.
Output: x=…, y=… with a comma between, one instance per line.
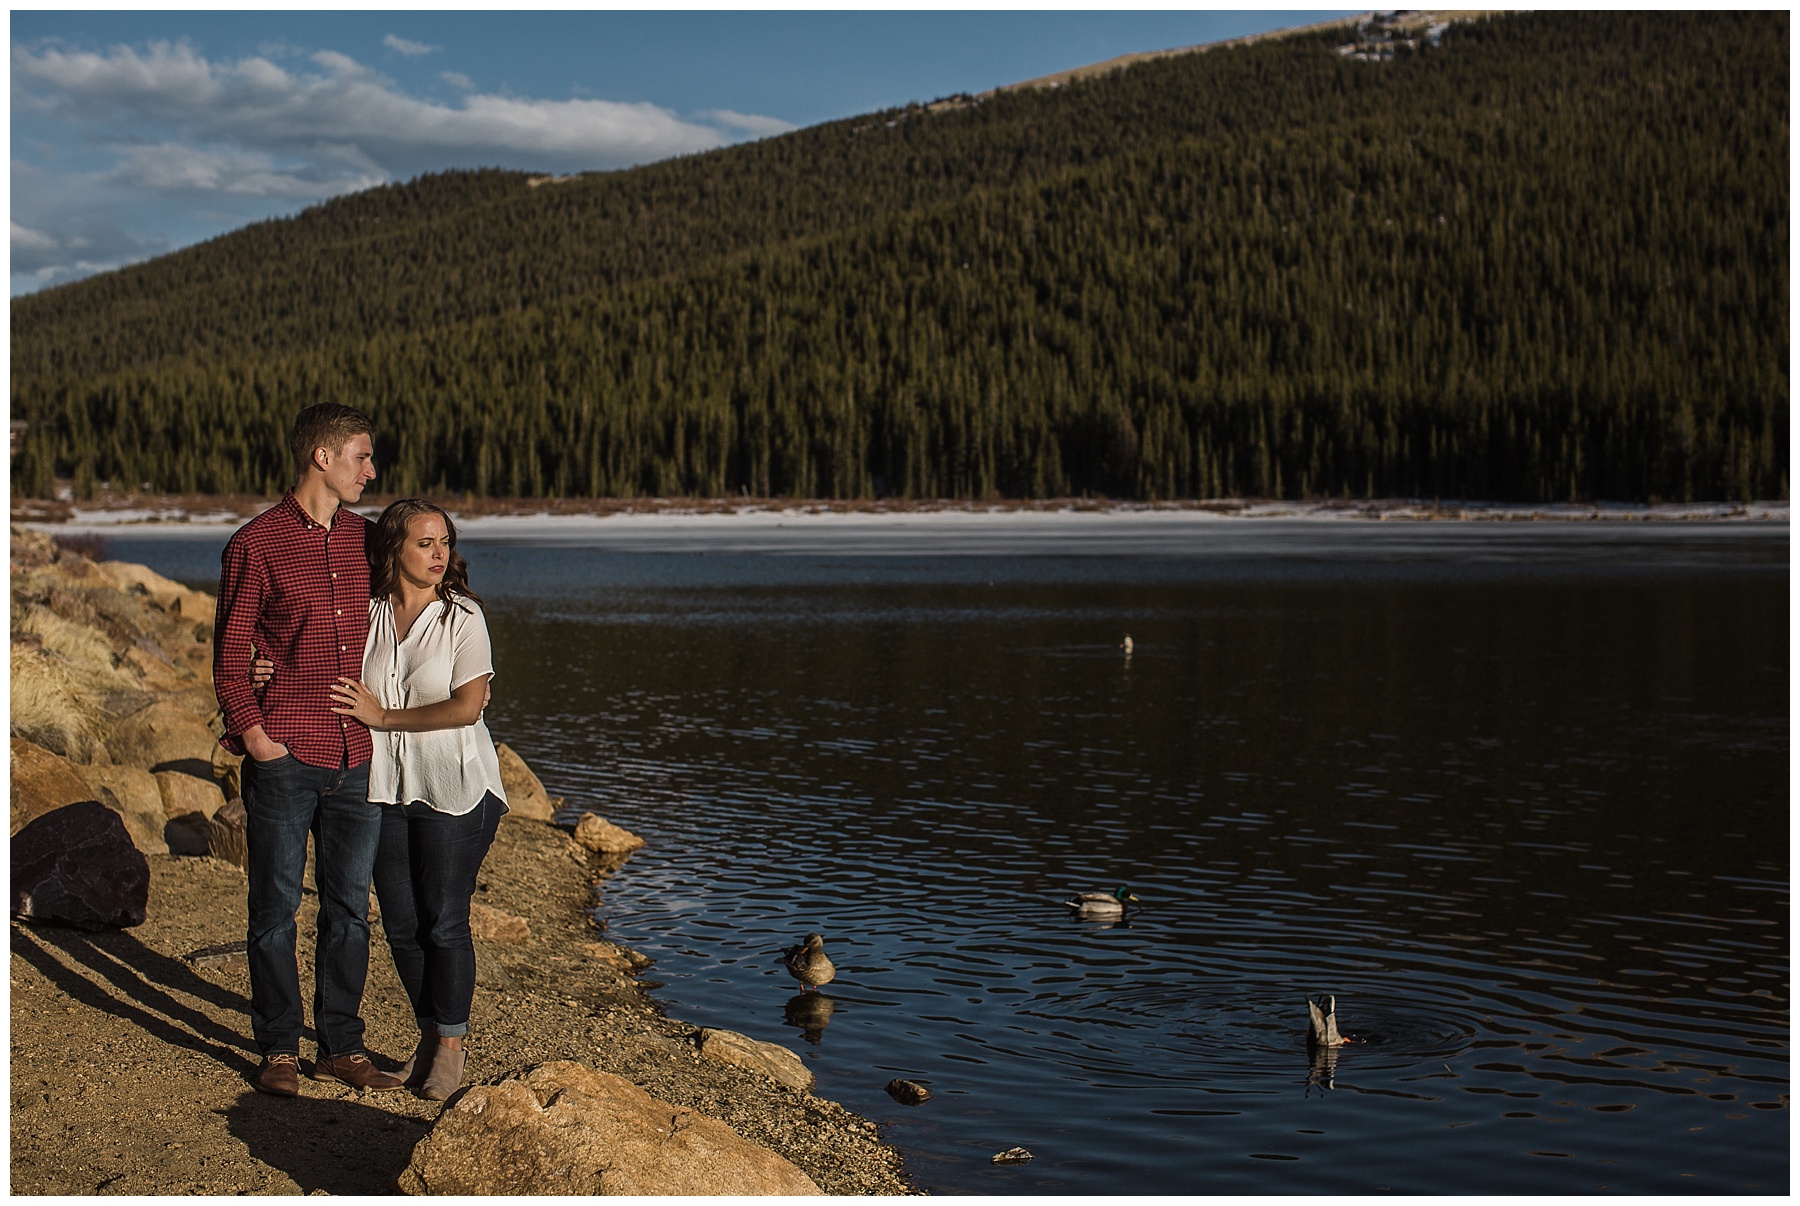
x=425, y=671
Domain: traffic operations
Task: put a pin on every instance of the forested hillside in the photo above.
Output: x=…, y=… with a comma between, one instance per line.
x=1545, y=258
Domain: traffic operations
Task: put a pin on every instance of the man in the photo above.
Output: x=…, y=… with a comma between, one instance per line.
x=294, y=585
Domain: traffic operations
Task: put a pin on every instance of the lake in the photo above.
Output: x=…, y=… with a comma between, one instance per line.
x=1516, y=794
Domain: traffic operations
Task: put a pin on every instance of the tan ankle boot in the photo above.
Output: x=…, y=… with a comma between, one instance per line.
x=416, y=1069
x=446, y=1073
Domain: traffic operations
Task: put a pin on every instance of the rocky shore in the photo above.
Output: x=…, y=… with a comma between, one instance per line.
x=130, y=1045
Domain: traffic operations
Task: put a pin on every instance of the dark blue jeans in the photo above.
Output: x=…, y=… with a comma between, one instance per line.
x=424, y=877
x=284, y=801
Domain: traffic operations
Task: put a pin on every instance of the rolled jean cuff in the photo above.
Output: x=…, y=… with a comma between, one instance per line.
x=453, y=1030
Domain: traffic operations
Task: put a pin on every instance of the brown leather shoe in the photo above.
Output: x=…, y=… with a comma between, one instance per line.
x=279, y=1074
x=355, y=1070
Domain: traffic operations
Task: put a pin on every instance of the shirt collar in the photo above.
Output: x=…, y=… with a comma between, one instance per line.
x=299, y=515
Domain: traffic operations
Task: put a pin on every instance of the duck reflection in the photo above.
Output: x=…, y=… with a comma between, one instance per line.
x=810, y=1013
x=1322, y=1070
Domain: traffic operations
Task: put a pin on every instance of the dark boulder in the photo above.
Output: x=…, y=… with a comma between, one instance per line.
x=42, y=781
x=76, y=865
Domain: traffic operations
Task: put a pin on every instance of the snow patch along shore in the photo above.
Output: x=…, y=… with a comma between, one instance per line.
x=565, y=519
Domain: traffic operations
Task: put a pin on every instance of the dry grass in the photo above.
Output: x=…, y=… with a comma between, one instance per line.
x=87, y=653
x=50, y=707
x=65, y=663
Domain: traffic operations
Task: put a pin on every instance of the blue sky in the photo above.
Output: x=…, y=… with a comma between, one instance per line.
x=139, y=132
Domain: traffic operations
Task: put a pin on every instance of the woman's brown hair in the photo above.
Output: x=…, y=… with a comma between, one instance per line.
x=384, y=553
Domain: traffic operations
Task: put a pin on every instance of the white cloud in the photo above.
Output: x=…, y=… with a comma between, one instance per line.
x=749, y=123
x=89, y=245
x=255, y=104
x=344, y=67
x=410, y=49
x=160, y=126
x=26, y=242
x=167, y=82
x=172, y=167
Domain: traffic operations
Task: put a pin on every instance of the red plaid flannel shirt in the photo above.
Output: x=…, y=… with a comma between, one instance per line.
x=299, y=594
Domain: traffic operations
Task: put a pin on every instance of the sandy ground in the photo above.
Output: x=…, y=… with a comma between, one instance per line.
x=130, y=1064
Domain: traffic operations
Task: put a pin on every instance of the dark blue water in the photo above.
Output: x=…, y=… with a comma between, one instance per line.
x=1516, y=794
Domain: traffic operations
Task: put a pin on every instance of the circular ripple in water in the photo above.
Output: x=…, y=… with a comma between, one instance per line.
x=1251, y=1028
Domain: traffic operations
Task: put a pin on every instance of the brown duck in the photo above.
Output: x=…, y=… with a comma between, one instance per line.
x=808, y=963
x=1323, y=1031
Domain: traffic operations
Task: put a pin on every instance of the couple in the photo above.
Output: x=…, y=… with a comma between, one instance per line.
x=368, y=736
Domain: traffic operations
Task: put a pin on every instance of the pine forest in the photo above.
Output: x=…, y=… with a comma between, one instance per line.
x=1539, y=257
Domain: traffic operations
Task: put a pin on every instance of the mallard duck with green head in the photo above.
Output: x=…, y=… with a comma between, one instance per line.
x=808, y=963
x=1102, y=904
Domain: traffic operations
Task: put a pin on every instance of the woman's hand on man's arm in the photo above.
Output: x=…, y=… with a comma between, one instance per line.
x=463, y=708
x=359, y=703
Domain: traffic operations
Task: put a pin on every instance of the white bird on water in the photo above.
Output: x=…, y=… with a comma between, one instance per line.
x=1126, y=644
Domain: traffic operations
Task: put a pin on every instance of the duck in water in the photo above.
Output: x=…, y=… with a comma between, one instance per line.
x=1323, y=1031
x=808, y=963
x=1102, y=904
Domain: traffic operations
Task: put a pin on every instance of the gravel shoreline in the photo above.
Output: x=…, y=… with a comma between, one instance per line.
x=129, y=1063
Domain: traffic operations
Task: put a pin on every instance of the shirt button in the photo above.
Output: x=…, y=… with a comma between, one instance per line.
x=343, y=648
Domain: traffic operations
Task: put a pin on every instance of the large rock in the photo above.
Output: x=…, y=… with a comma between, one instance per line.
x=43, y=781
x=77, y=866
x=228, y=769
x=603, y=837
x=183, y=793
x=133, y=793
x=608, y=953
x=497, y=925
x=171, y=596
x=158, y=674
x=765, y=1059
x=525, y=794
x=133, y=788
x=160, y=734
x=564, y=1128
x=226, y=835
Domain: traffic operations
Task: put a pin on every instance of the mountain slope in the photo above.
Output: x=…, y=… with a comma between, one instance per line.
x=1543, y=259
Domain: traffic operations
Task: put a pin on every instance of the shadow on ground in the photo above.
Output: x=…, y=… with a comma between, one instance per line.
x=338, y=1145
x=127, y=979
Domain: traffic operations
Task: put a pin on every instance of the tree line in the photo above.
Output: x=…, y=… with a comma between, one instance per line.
x=1544, y=259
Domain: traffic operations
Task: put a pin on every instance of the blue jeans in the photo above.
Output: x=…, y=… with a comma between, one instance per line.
x=285, y=800
x=424, y=877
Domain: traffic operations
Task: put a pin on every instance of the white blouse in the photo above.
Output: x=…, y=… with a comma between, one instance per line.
x=450, y=769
